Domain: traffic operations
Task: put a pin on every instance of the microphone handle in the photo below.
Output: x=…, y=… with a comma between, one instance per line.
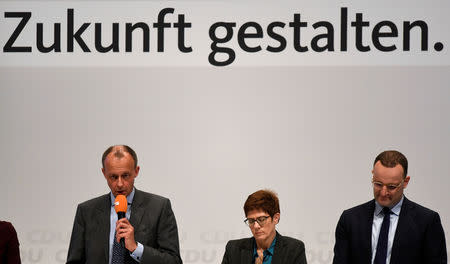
x=122, y=242
x=121, y=215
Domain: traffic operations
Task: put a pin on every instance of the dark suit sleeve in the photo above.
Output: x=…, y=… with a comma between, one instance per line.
x=168, y=251
x=226, y=257
x=341, y=246
x=435, y=250
x=76, y=253
x=12, y=247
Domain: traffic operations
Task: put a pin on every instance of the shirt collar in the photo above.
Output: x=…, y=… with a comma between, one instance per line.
x=129, y=197
x=267, y=251
x=395, y=209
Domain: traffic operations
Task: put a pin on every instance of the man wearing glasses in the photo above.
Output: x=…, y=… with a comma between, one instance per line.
x=267, y=246
x=390, y=228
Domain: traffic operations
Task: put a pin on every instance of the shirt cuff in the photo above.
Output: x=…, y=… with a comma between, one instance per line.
x=137, y=253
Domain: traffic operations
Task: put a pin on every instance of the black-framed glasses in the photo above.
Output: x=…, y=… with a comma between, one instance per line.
x=260, y=220
x=390, y=187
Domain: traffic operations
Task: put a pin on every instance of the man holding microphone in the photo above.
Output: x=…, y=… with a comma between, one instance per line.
x=149, y=230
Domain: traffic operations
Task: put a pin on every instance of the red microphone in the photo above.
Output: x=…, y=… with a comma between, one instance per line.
x=120, y=205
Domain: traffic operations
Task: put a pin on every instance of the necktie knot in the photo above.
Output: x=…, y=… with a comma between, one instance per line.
x=387, y=211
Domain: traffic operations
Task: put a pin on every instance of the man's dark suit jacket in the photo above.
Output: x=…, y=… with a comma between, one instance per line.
x=287, y=251
x=154, y=227
x=419, y=237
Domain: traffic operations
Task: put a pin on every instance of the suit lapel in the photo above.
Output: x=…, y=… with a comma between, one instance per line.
x=279, y=250
x=403, y=227
x=136, y=209
x=367, y=239
x=103, y=222
x=247, y=251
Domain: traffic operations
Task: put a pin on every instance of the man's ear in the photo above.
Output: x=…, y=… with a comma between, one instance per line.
x=406, y=181
x=136, y=170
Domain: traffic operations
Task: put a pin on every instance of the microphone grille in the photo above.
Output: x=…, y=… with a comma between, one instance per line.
x=120, y=204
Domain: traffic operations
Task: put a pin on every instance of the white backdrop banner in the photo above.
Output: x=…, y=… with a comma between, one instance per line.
x=216, y=33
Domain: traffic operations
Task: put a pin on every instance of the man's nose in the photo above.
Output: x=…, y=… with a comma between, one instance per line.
x=119, y=181
x=384, y=191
